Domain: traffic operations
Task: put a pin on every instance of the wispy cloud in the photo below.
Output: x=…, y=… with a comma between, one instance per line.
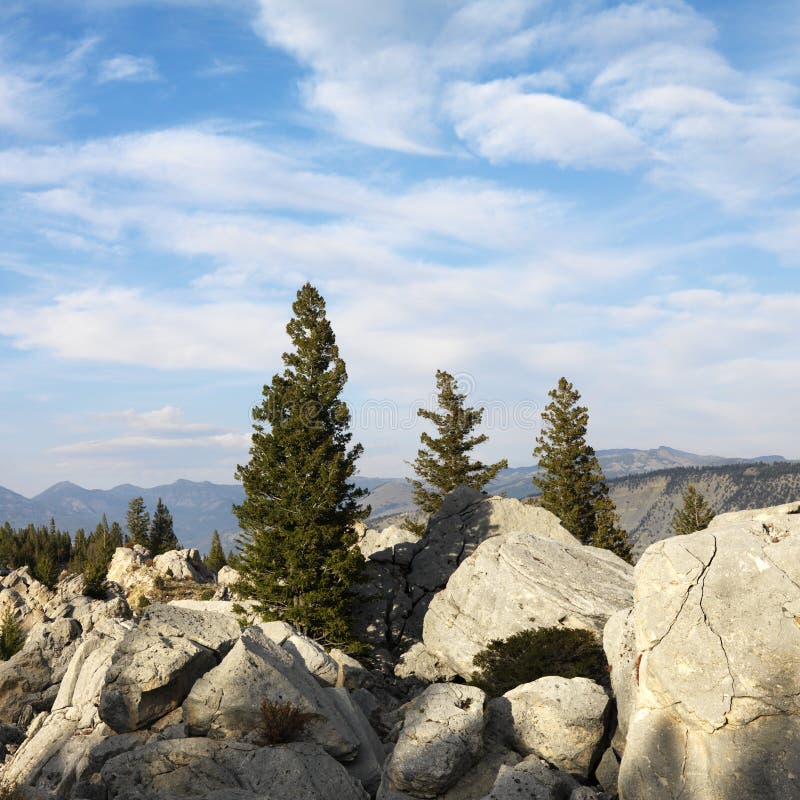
x=124, y=67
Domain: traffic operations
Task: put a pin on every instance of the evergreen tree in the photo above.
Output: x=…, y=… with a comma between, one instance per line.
x=570, y=479
x=138, y=522
x=443, y=462
x=46, y=568
x=215, y=560
x=695, y=515
x=78, y=560
x=12, y=637
x=297, y=554
x=162, y=535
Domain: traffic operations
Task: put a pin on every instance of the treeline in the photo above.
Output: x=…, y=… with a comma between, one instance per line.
x=45, y=549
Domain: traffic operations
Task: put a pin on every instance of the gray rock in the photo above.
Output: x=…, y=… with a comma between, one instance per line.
x=226, y=702
x=183, y=565
x=29, y=679
x=228, y=576
x=204, y=769
x=417, y=661
x=382, y=545
x=442, y=738
x=561, y=720
x=607, y=773
x=532, y=779
x=717, y=621
x=619, y=644
x=312, y=655
x=157, y=663
x=520, y=581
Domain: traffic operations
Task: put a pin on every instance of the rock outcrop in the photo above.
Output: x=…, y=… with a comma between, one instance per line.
x=158, y=662
x=183, y=565
x=521, y=581
x=717, y=625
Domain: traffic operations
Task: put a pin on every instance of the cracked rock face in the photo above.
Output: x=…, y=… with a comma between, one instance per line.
x=520, y=581
x=717, y=625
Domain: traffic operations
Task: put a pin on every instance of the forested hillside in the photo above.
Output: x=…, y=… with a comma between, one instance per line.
x=647, y=502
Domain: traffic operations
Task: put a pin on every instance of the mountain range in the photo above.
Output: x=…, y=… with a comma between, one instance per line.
x=198, y=508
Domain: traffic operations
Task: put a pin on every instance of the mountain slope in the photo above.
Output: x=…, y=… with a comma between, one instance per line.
x=647, y=502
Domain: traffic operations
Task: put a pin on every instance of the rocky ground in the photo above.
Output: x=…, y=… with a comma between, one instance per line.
x=123, y=699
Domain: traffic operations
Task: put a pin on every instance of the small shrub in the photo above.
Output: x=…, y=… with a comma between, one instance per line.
x=532, y=654
x=283, y=722
x=207, y=594
x=170, y=573
x=12, y=637
x=94, y=578
x=142, y=602
x=159, y=582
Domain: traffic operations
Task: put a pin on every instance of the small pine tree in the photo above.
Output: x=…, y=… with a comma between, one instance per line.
x=571, y=480
x=138, y=522
x=298, y=560
x=162, y=534
x=215, y=560
x=694, y=515
x=78, y=560
x=443, y=462
x=46, y=568
x=11, y=636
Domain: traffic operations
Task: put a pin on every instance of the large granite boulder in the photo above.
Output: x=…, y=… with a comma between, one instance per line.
x=226, y=702
x=717, y=625
x=157, y=663
x=532, y=779
x=393, y=544
x=131, y=567
x=441, y=739
x=311, y=654
x=402, y=578
x=520, y=581
x=561, y=720
x=228, y=576
x=204, y=769
x=183, y=565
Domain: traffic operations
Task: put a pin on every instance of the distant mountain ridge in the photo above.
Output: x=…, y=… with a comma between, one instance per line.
x=198, y=508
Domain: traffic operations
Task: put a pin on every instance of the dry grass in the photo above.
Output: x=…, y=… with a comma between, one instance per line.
x=283, y=722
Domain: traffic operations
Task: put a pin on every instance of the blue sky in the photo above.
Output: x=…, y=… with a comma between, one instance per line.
x=511, y=190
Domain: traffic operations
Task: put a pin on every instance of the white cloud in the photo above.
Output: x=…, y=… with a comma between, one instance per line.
x=503, y=122
x=168, y=418
x=226, y=440
x=125, y=67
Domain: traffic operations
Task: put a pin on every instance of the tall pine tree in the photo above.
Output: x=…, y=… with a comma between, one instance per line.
x=162, y=535
x=297, y=556
x=138, y=522
x=694, y=515
x=571, y=481
x=443, y=462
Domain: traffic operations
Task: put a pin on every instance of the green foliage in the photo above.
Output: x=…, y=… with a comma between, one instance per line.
x=443, y=461
x=46, y=569
x=159, y=582
x=138, y=522
x=297, y=555
x=282, y=722
x=215, y=560
x=207, y=594
x=162, y=535
x=44, y=549
x=143, y=602
x=533, y=654
x=94, y=580
x=694, y=515
x=570, y=479
x=11, y=636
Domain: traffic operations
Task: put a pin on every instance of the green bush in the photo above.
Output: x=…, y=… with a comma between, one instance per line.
x=143, y=602
x=532, y=654
x=282, y=722
x=207, y=594
x=159, y=582
x=94, y=580
x=12, y=637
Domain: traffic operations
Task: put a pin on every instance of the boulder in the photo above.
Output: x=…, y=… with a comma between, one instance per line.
x=607, y=773
x=221, y=607
x=619, y=644
x=157, y=663
x=532, y=779
x=129, y=567
x=29, y=679
x=419, y=662
x=312, y=655
x=388, y=545
x=228, y=576
x=204, y=769
x=561, y=720
x=716, y=617
x=183, y=565
x=226, y=702
x=520, y=581
x=441, y=738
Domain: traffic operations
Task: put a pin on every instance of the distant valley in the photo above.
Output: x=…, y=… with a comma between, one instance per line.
x=198, y=508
